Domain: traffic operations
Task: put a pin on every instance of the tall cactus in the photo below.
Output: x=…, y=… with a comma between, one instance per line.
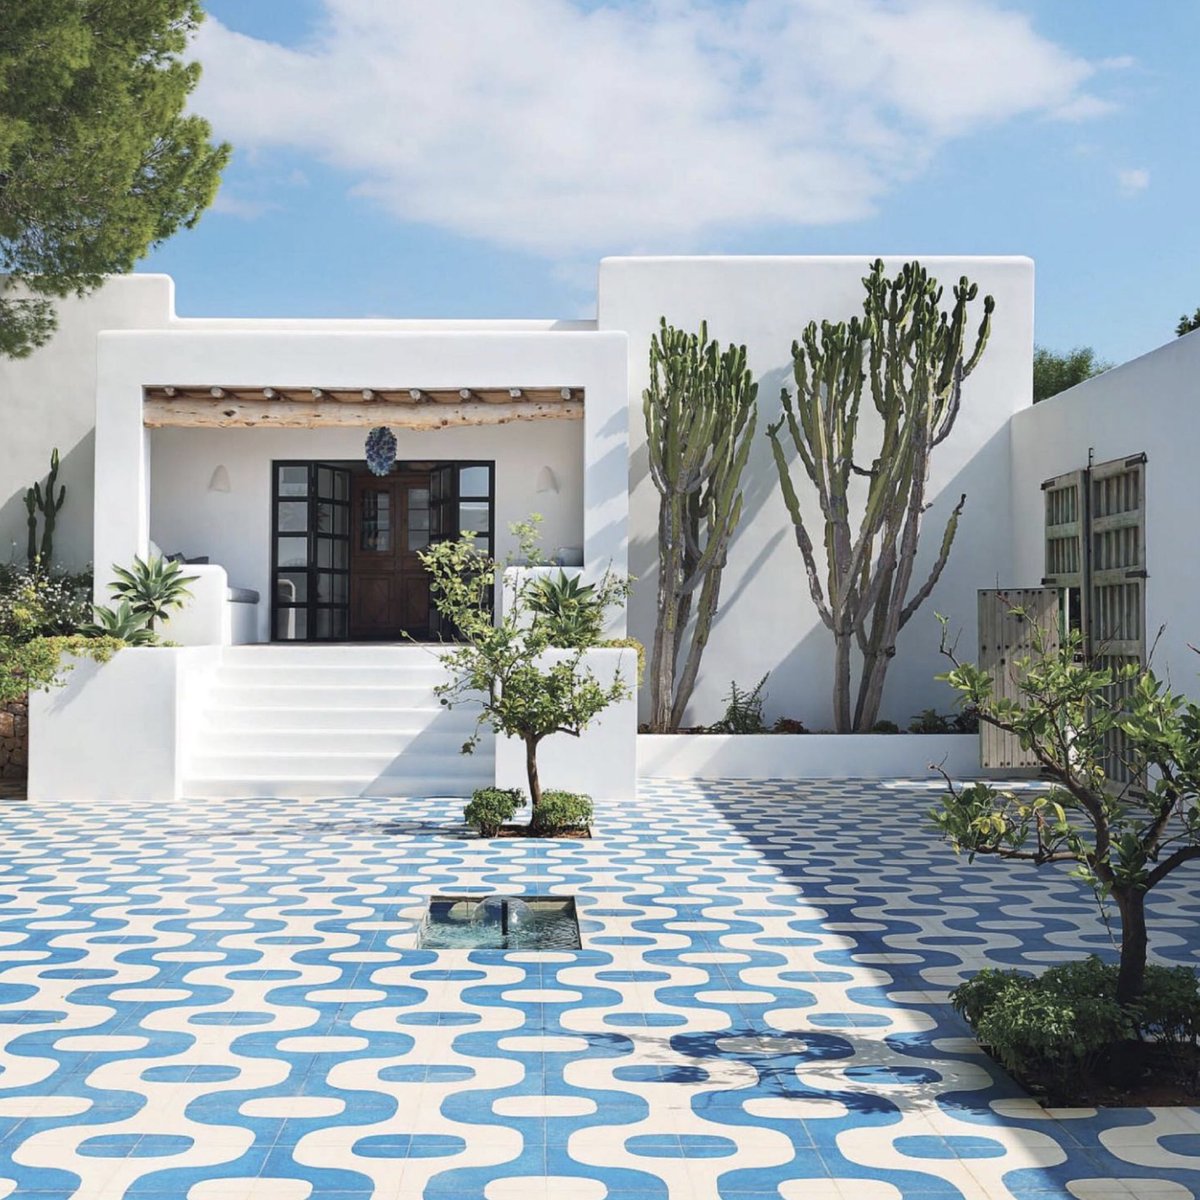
x=700, y=411
x=49, y=505
x=913, y=358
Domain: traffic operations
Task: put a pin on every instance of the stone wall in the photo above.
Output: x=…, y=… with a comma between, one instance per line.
x=14, y=739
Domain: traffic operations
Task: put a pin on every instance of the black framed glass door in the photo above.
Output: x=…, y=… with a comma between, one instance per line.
x=310, y=551
x=462, y=499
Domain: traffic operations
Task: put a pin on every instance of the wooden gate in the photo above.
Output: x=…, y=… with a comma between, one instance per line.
x=1009, y=619
x=1096, y=556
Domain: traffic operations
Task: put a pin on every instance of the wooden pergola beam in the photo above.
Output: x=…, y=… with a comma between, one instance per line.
x=178, y=394
x=256, y=411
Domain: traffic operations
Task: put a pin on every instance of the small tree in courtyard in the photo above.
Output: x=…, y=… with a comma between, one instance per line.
x=912, y=358
x=1123, y=840
x=506, y=666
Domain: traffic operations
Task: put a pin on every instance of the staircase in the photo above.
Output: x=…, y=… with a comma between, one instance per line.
x=332, y=721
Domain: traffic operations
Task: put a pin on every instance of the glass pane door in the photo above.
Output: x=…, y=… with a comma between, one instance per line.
x=310, y=551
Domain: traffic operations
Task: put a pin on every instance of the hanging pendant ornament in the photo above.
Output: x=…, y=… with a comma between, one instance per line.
x=381, y=450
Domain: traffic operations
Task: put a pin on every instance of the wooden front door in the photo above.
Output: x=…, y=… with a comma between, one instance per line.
x=389, y=588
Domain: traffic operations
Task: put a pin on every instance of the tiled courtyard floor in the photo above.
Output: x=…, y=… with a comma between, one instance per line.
x=221, y=1000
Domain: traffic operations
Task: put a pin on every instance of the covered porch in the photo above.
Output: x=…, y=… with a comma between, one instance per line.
x=263, y=488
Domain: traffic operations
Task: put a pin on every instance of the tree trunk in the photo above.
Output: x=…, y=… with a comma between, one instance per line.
x=841, y=681
x=1132, y=976
x=531, y=771
x=666, y=634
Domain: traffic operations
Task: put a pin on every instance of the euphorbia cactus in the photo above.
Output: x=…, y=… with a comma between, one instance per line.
x=49, y=505
x=700, y=411
x=913, y=357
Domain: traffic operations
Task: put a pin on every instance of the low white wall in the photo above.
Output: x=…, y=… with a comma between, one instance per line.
x=602, y=761
x=806, y=755
x=118, y=730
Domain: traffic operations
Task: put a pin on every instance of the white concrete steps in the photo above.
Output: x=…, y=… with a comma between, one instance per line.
x=334, y=721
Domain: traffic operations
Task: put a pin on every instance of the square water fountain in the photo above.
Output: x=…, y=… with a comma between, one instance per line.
x=500, y=923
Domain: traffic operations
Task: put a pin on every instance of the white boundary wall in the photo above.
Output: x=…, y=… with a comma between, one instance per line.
x=1149, y=405
x=807, y=756
x=120, y=730
x=767, y=621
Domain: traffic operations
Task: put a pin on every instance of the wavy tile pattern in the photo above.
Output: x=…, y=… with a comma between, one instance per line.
x=222, y=1001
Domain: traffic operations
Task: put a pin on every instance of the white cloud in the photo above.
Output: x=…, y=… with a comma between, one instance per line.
x=545, y=126
x=1133, y=180
x=232, y=205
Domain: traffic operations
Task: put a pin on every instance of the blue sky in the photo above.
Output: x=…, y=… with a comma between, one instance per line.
x=462, y=159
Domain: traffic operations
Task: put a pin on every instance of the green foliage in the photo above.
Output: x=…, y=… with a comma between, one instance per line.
x=911, y=358
x=630, y=644
x=885, y=727
x=49, y=505
x=1122, y=840
x=37, y=664
x=561, y=812
x=788, y=725
x=507, y=667
x=1067, y=1022
x=929, y=720
x=743, y=710
x=569, y=608
x=1187, y=324
x=700, y=411
x=121, y=623
x=152, y=588
x=491, y=807
x=36, y=601
x=1054, y=372
x=1055, y=1025
x=99, y=160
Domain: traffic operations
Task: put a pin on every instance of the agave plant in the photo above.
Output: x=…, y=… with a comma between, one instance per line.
x=570, y=610
x=152, y=588
x=121, y=623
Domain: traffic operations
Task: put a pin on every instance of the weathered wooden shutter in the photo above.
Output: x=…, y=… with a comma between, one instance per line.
x=1008, y=619
x=1116, y=595
x=1066, y=542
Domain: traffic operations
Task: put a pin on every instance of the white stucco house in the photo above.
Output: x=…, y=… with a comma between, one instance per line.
x=239, y=445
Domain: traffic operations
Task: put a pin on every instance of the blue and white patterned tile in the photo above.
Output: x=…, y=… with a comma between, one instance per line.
x=225, y=1002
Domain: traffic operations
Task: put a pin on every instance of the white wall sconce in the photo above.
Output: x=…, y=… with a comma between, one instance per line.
x=547, y=481
x=220, y=481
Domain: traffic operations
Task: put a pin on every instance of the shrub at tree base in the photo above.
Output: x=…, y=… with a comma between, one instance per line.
x=491, y=807
x=1066, y=1036
x=561, y=812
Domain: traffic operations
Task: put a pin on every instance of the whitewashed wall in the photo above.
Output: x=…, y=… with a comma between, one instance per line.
x=1150, y=405
x=48, y=400
x=428, y=357
x=234, y=528
x=768, y=622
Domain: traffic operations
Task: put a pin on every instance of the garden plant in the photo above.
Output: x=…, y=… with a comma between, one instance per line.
x=530, y=681
x=1122, y=840
x=911, y=357
x=700, y=411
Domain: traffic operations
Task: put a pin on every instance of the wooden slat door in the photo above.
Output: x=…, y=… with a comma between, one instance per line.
x=1116, y=593
x=1008, y=619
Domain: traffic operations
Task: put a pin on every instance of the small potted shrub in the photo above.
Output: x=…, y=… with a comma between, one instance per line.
x=491, y=808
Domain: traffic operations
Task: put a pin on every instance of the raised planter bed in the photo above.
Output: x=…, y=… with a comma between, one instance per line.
x=806, y=755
